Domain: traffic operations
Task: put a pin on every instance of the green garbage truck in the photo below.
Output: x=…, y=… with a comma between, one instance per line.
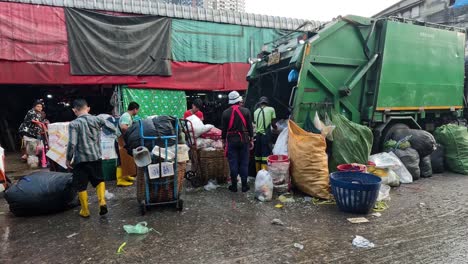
x=383, y=73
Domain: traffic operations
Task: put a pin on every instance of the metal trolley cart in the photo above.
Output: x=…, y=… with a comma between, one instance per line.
x=160, y=183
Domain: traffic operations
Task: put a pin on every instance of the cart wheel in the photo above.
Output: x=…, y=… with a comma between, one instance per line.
x=180, y=205
x=142, y=207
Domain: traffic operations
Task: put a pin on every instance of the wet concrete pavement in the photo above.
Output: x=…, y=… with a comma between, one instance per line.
x=426, y=223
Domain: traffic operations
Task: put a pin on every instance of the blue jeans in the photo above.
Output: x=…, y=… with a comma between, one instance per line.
x=238, y=156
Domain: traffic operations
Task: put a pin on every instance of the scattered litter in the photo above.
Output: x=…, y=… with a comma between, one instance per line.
x=377, y=214
x=299, y=246
x=286, y=198
x=358, y=220
x=422, y=204
x=361, y=242
x=72, y=235
x=109, y=195
x=380, y=206
x=140, y=228
x=279, y=206
x=2, y=213
x=263, y=186
x=317, y=201
x=384, y=193
x=277, y=222
x=307, y=199
x=121, y=250
x=211, y=186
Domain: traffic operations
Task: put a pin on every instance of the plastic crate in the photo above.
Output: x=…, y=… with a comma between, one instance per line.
x=355, y=192
x=109, y=169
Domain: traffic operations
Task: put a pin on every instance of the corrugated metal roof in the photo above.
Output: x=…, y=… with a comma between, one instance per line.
x=153, y=7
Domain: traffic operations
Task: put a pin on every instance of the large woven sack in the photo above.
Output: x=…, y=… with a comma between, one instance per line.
x=309, y=162
x=455, y=141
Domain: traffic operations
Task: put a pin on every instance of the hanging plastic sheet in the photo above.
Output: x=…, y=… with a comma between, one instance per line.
x=218, y=43
x=101, y=44
x=186, y=76
x=156, y=102
x=32, y=33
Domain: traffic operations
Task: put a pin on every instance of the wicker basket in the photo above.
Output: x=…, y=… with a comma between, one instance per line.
x=213, y=166
x=165, y=192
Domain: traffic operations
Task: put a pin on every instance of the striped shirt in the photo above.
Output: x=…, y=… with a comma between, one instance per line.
x=84, y=143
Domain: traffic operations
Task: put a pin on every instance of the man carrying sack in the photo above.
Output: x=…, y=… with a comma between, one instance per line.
x=264, y=119
x=237, y=135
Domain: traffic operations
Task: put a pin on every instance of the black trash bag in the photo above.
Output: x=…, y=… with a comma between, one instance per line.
x=422, y=141
x=437, y=159
x=410, y=159
x=309, y=125
x=156, y=127
x=425, y=167
x=41, y=193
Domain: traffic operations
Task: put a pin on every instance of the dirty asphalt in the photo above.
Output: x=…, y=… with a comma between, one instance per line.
x=426, y=223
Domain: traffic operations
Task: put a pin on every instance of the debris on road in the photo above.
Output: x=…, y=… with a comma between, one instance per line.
x=211, y=186
x=362, y=242
x=140, y=228
x=109, y=195
x=279, y=206
x=377, y=214
x=121, y=250
x=277, y=222
x=307, y=199
x=286, y=198
x=299, y=246
x=358, y=220
x=72, y=235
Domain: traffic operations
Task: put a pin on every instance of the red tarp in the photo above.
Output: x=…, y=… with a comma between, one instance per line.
x=32, y=33
x=34, y=51
x=186, y=76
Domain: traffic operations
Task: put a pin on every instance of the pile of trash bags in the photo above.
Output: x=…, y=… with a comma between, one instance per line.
x=152, y=127
x=414, y=148
x=41, y=193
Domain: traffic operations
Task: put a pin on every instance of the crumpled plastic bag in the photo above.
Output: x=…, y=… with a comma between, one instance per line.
x=281, y=145
x=326, y=128
x=384, y=193
x=211, y=186
x=391, y=161
x=263, y=186
x=362, y=242
x=140, y=228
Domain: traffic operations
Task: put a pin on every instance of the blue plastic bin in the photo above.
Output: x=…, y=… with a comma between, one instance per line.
x=355, y=192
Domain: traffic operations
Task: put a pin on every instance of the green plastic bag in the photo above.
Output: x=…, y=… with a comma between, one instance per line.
x=352, y=143
x=140, y=228
x=455, y=140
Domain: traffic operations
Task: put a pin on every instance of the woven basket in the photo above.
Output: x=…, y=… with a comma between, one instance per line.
x=165, y=192
x=213, y=166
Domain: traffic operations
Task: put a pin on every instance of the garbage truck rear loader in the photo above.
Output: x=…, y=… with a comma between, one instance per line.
x=384, y=73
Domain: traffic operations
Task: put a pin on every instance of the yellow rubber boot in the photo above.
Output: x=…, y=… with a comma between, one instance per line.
x=83, y=196
x=101, y=195
x=264, y=167
x=129, y=178
x=258, y=166
x=121, y=180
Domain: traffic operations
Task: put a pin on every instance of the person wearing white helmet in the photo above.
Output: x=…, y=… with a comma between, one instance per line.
x=237, y=135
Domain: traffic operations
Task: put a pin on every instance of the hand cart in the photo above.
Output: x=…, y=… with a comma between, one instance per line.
x=161, y=190
x=215, y=165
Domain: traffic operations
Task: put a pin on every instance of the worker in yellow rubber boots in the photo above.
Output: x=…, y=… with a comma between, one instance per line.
x=127, y=169
x=264, y=118
x=84, y=155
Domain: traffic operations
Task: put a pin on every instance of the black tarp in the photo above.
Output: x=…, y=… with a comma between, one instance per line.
x=101, y=44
